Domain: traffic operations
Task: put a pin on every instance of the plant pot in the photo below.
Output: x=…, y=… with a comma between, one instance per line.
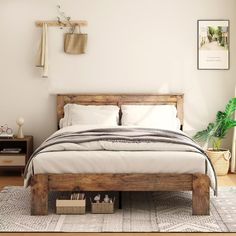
x=220, y=160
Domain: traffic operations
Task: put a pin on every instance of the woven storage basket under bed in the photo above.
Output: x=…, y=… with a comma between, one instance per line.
x=70, y=206
x=102, y=207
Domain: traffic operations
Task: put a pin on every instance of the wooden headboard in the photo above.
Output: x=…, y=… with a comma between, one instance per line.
x=120, y=99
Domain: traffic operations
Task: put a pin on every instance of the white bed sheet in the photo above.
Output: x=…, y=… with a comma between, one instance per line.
x=119, y=162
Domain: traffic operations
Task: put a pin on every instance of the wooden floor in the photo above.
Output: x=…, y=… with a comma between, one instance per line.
x=227, y=180
x=10, y=179
x=14, y=178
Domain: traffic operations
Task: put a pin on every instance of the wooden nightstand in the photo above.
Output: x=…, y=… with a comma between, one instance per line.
x=15, y=160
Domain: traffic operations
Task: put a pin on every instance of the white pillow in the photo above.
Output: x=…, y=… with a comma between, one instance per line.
x=90, y=115
x=152, y=116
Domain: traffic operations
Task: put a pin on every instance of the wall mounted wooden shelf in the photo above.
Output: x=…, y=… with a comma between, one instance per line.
x=64, y=24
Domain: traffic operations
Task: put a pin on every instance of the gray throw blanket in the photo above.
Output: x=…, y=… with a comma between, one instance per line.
x=125, y=135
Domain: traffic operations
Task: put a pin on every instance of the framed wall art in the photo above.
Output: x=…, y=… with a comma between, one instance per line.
x=213, y=44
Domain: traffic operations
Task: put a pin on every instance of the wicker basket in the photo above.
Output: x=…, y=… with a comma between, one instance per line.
x=102, y=207
x=70, y=206
x=220, y=160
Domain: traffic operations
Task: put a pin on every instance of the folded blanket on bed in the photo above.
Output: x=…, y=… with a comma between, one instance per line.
x=122, y=139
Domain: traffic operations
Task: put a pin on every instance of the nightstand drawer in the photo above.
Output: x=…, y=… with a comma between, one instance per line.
x=12, y=160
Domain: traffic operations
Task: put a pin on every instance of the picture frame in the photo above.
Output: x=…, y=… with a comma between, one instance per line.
x=213, y=44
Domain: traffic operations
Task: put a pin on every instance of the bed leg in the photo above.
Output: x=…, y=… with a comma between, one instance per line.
x=39, y=195
x=201, y=195
x=120, y=200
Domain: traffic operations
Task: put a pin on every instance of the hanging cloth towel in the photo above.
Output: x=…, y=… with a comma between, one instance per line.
x=42, y=55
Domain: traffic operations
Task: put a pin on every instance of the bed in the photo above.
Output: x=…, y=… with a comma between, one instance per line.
x=117, y=176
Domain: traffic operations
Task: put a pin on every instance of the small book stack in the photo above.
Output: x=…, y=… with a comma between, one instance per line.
x=77, y=196
x=5, y=135
x=11, y=150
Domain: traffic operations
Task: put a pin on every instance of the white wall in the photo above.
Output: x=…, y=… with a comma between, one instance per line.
x=135, y=46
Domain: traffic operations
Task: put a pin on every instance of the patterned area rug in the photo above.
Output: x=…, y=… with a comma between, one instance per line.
x=142, y=212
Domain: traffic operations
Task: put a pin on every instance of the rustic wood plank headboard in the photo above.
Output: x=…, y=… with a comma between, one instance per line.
x=119, y=99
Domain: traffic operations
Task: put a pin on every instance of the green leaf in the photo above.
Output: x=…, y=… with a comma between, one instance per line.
x=230, y=107
x=220, y=116
x=203, y=136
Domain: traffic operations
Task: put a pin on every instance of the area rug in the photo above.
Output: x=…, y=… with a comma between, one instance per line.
x=142, y=212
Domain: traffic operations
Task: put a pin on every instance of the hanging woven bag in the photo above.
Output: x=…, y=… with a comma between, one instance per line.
x=75, y=43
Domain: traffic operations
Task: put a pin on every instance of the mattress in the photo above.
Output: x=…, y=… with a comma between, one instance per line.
x=119, y=162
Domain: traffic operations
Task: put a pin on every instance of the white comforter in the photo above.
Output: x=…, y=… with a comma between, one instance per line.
x=117, y=157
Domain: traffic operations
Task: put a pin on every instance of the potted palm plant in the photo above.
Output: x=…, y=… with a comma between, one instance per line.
x=215, y=133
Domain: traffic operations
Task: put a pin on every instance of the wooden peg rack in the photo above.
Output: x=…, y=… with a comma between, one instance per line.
x=63, y=23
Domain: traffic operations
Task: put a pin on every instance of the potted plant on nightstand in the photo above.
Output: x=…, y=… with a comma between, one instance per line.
x=215, y=133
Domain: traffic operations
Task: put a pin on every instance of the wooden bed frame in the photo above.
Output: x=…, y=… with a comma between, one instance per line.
x=199, y=184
